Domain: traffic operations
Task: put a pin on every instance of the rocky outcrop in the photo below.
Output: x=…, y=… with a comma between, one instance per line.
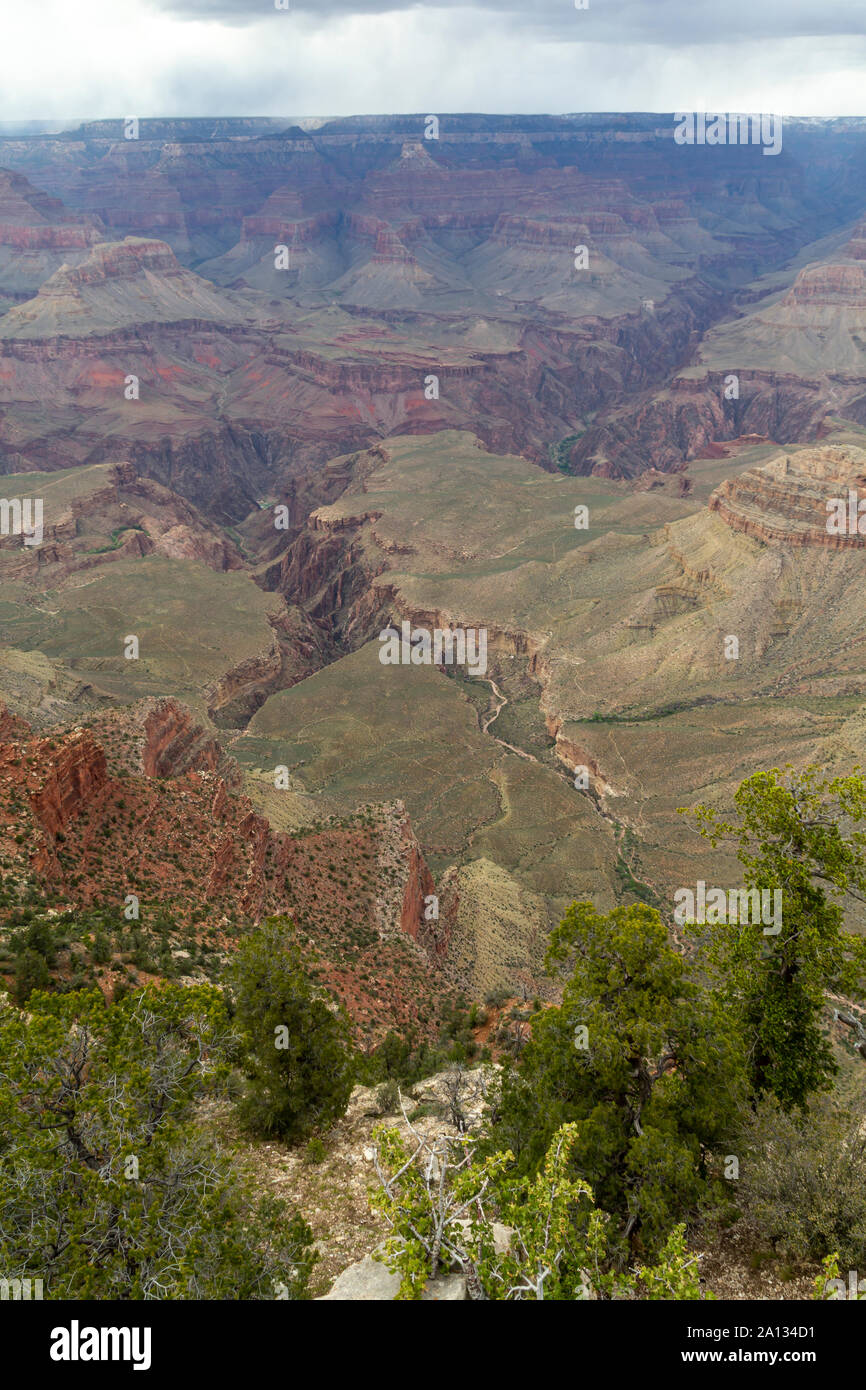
x=37, y=235
x=69, y=778
x=829, y=284
x=297, y=648
x=407, y=886
x=173, y=744
x=371, y=1281
x=282, y=218
x=785, y=501
x=575, y=755
x=115, y=515
x=147, y=802
x=419, y=915
x=47, y=238
x=693, y=419
x=367, y=1281
x=120, y=284
x=248, y=841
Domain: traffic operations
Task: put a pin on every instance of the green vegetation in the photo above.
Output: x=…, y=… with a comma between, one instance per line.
x=608, y=1133
x=560, y=452
x=803, y=1183
x=796, y=833
x=640, y=1059
x=296, y=1042
x=110, y=1190
x=647, y=716
x=51, y=947
x=441, y=1200
x=115, y=539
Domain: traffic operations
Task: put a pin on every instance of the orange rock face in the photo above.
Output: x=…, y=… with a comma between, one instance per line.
x=829, y=284
x=174, y=744
x=181, y=836
x=786, y=500
x=71, y=778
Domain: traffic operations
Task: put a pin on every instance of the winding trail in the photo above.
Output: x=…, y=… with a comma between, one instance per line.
x=596, y=802
x=490, y=717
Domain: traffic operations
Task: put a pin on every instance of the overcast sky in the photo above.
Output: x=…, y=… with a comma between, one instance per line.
x=101, y=58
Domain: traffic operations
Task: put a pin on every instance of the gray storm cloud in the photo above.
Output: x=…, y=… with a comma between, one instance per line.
x=673, y=23
x=324, y=58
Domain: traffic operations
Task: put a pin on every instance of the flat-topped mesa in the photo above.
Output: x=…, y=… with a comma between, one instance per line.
x=291, y=230
x=119, y=284
x=390, y=248
x=829, y=284
x=856, y=247
x=121, y=260
x=792, y=499
x=414, y=152
x=367, y=227
x=514, y=230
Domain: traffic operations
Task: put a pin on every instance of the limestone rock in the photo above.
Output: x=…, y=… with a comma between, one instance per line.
x=368, y=1281
x=451, y=1288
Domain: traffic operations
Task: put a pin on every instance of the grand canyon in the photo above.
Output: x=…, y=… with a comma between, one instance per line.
x=283, y=389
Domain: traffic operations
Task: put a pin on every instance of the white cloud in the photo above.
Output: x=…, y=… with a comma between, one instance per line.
x=141, y=57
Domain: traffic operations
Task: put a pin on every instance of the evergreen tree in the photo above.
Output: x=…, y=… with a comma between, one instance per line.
x=644, y=1062
x=298, y=1052
x=795, y=833
x=108, y=1187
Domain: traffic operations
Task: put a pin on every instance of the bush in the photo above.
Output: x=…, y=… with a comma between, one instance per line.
x=108, y=1187
x=315, y=1151
x=803, y=1181
x=39, y=937
x=441, y=1199
x=298, y=1052
x=101, y=948
x=31, y=972
x=388, y=1098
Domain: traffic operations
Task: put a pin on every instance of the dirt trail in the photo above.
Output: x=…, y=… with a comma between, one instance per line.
x=490, y=717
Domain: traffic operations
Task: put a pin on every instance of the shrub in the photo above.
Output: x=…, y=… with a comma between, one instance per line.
x=108, y=1187
x=298, y=1053
x=315, y=1151
x=440, y=1200
x=803, y=1181
x=31, y=973
x=388, y=1097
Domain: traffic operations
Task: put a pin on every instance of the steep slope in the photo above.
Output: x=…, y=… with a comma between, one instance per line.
x=145, y=804
x=38, y=235
x=680, y=640
x=792, y=355
x=125, y=284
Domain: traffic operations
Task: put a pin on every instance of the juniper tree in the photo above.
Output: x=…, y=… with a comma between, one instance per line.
x=796, y=832
x=298, y=1051
x=640, y=1057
